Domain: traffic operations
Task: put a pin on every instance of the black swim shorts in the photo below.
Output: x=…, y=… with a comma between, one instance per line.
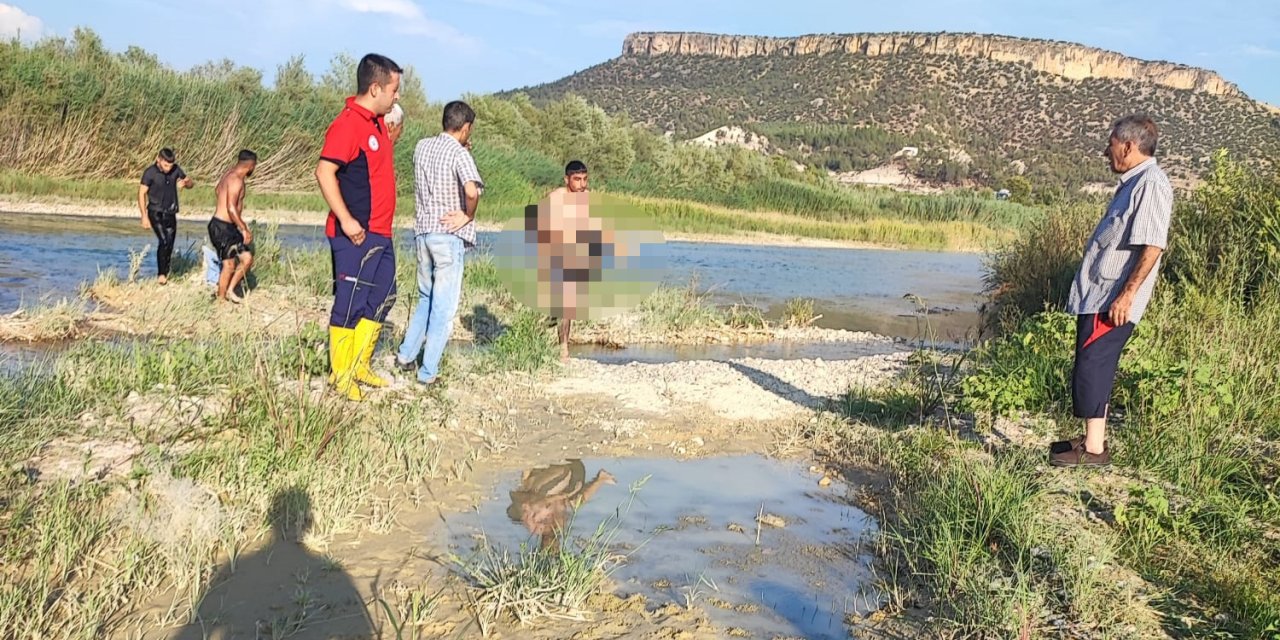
x=227, y=240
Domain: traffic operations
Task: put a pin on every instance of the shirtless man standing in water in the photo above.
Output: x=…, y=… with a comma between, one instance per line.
x=575, y=181
x=227, y=231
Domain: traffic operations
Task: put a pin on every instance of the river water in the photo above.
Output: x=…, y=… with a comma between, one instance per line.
x=47, y=257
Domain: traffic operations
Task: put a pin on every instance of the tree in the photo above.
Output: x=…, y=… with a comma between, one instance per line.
x=413, y=95
x=572, y=128
x=139, y=57
x=86, y=46
x=340, y=78
x=242, y=80
x=1019, y=189
x=293, y=81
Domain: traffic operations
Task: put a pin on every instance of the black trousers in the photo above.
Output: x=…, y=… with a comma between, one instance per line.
x=364, y=279
x=1098, y=347
x=165, y=226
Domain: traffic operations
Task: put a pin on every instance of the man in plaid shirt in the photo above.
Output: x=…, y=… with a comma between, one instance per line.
x=447, y=189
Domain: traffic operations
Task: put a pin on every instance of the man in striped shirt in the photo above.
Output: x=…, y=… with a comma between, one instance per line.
x=447, y=190
x=1114, y=285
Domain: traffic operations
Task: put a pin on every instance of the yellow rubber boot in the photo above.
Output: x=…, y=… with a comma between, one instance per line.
x=366, y=339
x=342, y=352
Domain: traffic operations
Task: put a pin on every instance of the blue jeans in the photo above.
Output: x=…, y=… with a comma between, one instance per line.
x=439, y=290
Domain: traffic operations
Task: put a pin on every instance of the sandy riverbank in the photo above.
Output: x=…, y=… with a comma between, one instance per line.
x=80, y=208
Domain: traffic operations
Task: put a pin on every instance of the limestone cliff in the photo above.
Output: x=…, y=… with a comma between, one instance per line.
x=1068, y=60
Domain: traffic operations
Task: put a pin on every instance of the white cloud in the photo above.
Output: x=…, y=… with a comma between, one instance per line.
x=398, y=8
x=528, y=7
x=1259, y=51
x=410, y=20
x=16, y=22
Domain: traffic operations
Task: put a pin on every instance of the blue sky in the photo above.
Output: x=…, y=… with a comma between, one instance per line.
x=488, y=45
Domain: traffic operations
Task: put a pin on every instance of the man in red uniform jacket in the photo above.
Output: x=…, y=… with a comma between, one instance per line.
x=357, y=177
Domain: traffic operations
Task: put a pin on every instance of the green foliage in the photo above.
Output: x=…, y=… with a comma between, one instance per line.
x=744, y=316
x=836, y=147
x=848, y=111
x=1027, y=370
x=1195, y=402
x=891, y=407
x=974, y=545
x=527, y=345
x=1036, y=269
x=1019, y=189
x=130, y=105
x=798, y=312
x=1226, y=238
x=306, y=352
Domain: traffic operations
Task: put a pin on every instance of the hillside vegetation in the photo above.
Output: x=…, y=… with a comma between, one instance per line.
x=70, y=110
x=975, y=119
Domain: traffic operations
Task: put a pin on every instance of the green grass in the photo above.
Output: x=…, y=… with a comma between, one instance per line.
x=528, y=344
x=674, y=309
x=691, y=217
x=1195, y=406
x=75, y=565
x=536, y=584
x=1182, y=536
x=978, y=539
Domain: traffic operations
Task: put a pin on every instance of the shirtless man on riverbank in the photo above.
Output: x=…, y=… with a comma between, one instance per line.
x=227, y=231
x=575, y=181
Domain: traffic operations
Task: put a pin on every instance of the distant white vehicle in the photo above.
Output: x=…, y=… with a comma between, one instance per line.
x=1003, y=194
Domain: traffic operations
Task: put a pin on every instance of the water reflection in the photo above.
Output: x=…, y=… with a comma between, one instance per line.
x=787, y=555
x=545, y=495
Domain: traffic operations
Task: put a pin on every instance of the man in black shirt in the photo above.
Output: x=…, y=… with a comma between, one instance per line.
x=158, y=204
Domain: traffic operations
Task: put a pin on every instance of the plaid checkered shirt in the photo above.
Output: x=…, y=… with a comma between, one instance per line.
x=441, y=169
x=1139, y=214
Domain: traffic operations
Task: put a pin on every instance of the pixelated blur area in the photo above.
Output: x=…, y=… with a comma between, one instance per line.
x=581, y=256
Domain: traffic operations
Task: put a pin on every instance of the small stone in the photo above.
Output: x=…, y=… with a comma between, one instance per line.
x=697, y=441
x=772, y=520
x=825, y=481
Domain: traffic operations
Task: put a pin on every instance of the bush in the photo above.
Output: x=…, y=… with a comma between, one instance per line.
x=1035, y=271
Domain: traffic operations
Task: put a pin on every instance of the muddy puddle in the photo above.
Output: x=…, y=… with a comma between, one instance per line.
x=764, y=547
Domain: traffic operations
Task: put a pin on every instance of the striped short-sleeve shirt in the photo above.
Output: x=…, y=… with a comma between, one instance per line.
x=441, y=169
x=1138, y=216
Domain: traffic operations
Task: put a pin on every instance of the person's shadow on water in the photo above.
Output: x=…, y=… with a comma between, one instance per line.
x=282, y=589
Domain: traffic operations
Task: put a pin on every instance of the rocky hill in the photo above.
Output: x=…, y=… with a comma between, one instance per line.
x=979, y=108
